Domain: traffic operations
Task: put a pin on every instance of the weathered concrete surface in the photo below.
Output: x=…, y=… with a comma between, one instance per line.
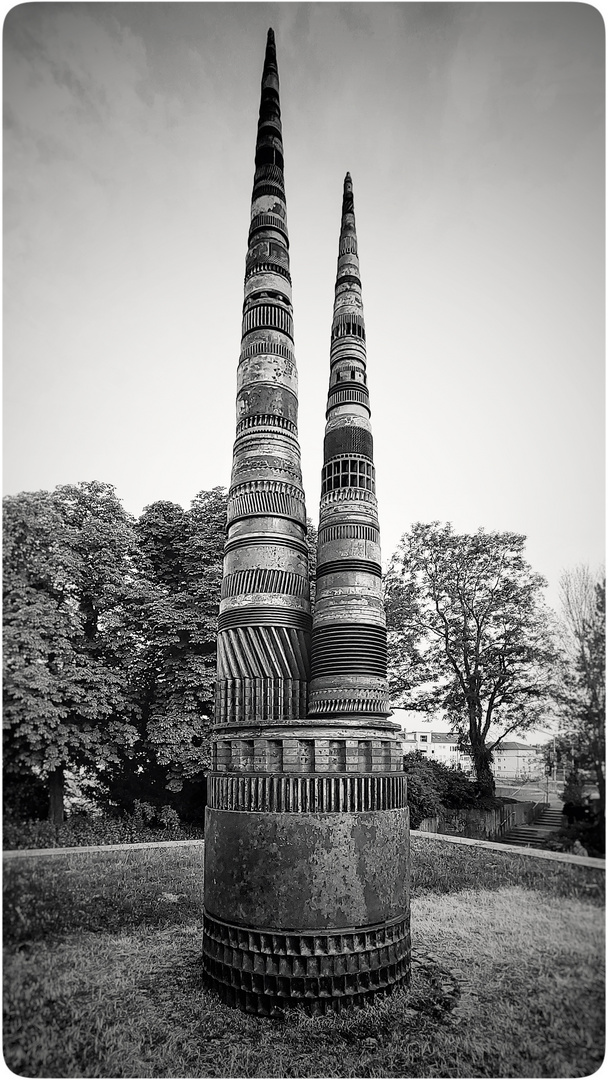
x=307, y=871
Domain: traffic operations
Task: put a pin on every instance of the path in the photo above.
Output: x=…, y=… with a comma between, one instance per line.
x=537, y=832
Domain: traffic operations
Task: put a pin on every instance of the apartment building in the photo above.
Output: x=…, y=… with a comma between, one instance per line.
x=518, y=761
x=439, y=746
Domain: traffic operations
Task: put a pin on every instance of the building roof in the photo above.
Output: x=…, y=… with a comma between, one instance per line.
x=432, y=736
x=514, y=746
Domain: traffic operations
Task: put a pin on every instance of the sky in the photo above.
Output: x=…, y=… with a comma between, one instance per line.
x=474, y=134
x=409, y=720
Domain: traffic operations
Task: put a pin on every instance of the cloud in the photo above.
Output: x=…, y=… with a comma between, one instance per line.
x=69, y=78
x=87, y=131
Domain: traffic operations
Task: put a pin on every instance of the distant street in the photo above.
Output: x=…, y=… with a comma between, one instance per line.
x=536, y=791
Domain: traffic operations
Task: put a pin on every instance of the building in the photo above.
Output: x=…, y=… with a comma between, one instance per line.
x=300, y=908
x=439, y=746
x=513, y=760
x=518, y=761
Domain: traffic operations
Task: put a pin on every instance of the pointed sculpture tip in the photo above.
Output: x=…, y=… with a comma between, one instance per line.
x=270, y=59
x=348, y=202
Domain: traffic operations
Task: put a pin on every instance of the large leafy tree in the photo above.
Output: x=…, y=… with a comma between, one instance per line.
x=583, y=609
x=181, y=554
x=71, y=592
x=468, y=635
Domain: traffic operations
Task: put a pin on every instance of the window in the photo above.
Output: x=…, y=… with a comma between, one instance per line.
x=347, y=472
x=424, y=738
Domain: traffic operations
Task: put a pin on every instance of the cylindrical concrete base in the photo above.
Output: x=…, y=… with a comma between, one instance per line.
x=307, y=909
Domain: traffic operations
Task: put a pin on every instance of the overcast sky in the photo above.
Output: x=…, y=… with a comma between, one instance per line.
x=474, y=136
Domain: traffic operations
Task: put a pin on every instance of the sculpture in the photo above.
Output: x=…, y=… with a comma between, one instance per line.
x=307, y=830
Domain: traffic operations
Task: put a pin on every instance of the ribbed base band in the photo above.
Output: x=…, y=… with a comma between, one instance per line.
x=266, y=972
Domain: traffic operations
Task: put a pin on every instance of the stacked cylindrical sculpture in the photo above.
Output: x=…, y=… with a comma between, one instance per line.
x=348, y=675
x=307, y=827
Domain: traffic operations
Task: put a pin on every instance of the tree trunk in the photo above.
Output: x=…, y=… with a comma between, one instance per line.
x=56, y=796
x=601, y=785
x=482, y=758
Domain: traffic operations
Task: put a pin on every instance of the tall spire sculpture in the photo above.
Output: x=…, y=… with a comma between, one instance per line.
x=300, y=908
x=349, y=689
x=263, y=643
x=349, y=637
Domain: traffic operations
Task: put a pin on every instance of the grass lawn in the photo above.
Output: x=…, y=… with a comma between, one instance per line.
x=103, y=975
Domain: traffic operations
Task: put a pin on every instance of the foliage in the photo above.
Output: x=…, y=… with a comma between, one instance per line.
x=69, y=586
x=468, y=635
x=24, y=795
x=589, y=834
x=141, y=778
x=574, y=788
x=109, y=645
x=583, y=693
x=433, y=786
x=422, y=788
x=181, y=554
x=147, y=823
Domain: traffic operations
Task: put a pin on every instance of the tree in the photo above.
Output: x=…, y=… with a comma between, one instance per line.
x=467, y=633
x=69, y=579
x=181, y=555
x=574, y=788
x=583, y=604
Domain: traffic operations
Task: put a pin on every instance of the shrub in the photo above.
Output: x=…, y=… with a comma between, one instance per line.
x=143, y=779
x=145, y=824
x=432, y=787
x=422, y=791
x=24, y=795
x=590, y=834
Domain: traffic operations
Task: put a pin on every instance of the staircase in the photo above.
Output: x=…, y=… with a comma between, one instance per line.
x=534, y=835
